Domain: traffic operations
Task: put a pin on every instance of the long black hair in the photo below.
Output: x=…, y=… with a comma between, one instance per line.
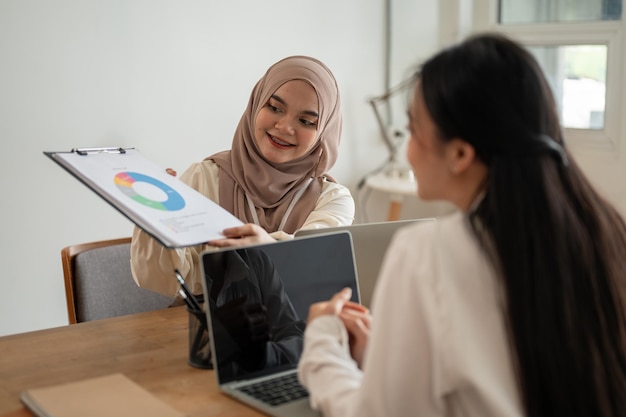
x=559, y=248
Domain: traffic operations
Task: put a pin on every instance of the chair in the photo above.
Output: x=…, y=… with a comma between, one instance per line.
x=99, y=284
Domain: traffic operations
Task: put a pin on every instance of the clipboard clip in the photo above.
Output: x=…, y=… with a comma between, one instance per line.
x=87, y=151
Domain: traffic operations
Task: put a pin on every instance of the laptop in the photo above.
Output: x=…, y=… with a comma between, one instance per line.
x=370, y=241
x=259, y=297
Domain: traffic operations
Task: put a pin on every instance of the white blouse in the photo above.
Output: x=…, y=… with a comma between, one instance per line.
x=438, y=344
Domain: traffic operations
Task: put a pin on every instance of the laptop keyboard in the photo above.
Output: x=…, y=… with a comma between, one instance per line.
x=277, y=391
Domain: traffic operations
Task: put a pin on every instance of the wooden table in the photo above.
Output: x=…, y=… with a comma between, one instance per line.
x=150, y=348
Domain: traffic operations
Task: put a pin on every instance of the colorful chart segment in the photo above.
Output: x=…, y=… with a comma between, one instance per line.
x=125, y=180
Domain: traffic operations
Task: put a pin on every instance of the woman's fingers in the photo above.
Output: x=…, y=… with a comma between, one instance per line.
x=247, y=234
x=358, y=327
x=351, y=305
x=332, y=306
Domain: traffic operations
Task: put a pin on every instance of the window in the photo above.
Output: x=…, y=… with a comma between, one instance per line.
x=580, y=46
x=542, y=11
x=577, y=75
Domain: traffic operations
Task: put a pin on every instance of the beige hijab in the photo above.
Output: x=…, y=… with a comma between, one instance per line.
x=271, y=186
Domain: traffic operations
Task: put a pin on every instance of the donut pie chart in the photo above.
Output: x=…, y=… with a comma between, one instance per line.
x=125, y=181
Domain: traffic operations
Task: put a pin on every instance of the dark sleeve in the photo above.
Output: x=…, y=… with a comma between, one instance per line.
x=286, y=328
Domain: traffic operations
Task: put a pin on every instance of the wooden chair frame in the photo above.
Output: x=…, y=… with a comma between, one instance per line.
x=67, y=259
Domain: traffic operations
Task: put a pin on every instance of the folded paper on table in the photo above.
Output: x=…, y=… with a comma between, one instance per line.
x=160, y=204
x=106, y=396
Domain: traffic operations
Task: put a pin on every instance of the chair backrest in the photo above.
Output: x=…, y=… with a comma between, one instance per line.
x=99, y=284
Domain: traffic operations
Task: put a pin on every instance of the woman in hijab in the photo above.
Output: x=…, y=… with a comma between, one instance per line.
x=275, y=177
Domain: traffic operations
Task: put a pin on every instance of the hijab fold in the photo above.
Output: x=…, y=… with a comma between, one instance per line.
x=271, y=186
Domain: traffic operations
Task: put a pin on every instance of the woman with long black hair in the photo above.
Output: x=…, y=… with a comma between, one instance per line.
x=514, y=305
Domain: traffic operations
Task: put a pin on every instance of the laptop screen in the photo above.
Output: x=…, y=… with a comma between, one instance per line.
x=259, y=298
x=370, y=242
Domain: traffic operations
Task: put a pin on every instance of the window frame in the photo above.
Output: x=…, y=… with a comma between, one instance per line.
x=484, y=17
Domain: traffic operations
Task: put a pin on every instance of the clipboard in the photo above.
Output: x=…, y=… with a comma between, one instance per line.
x=161, y=205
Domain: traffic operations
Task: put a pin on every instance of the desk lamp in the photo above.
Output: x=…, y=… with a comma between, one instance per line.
x=394, y=138
x=393, y=178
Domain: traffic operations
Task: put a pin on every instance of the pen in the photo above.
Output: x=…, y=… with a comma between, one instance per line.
x=187, y=295
x=188, y=301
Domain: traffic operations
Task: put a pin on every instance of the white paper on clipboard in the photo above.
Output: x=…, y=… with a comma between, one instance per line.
x=160, y=204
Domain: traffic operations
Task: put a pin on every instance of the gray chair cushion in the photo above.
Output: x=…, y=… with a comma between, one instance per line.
x=104, y=286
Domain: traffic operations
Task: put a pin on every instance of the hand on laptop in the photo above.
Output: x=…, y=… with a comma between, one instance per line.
x=248, y=234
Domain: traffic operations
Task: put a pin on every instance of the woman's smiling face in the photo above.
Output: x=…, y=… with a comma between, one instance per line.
x=286, y=126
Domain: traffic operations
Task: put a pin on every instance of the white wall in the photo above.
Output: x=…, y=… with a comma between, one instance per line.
x=170, y=78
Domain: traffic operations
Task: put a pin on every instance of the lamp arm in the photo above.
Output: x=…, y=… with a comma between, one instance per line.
x=383, y=130
x=393, y=147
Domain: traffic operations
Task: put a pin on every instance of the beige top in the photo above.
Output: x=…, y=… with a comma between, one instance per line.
x=153, y=265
